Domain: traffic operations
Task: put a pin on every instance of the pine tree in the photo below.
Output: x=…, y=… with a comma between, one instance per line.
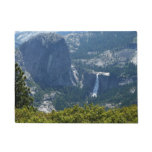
x=22, y=92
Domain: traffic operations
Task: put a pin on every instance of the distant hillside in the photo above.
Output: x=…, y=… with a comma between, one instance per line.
x=61, y=68
x=81, y=43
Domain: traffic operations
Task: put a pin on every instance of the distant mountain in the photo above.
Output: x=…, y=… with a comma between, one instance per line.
x=46, y=58
x=62, y=67
x=100, y=41
x=102, y=49
x=113, y=52
x=21, y=37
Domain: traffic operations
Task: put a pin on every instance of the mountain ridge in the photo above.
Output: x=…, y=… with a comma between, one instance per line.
x=82, y=55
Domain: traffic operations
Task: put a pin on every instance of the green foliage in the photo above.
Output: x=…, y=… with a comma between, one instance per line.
x=117, y=95
x=77, y=114
x=22, y=92
x=73, y=95
x=69, y=96
x=126, y=71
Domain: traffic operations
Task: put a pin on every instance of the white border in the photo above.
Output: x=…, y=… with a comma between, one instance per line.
x=78, y=15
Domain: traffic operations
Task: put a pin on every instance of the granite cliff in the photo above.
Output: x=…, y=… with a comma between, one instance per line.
x=46, y=58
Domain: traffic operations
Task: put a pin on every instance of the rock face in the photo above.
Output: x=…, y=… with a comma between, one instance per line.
x=106, y=83
x=46, y=58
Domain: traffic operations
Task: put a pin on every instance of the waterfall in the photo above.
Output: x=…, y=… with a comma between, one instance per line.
x=96, y=86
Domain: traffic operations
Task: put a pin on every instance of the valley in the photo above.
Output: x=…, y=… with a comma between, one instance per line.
x=65, y=69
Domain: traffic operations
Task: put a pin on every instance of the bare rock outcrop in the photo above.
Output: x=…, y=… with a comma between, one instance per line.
x=46, y=58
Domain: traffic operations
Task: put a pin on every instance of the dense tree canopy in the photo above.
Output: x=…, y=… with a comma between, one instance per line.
x=77, y=114
x=22, y=92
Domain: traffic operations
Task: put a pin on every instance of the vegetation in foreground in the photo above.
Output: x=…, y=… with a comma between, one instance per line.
x=26, y=113
x=77, y=114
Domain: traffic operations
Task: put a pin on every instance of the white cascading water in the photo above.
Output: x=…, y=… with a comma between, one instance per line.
x=96, y=86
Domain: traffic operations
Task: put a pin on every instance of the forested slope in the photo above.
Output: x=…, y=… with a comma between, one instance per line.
x=77, y=114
